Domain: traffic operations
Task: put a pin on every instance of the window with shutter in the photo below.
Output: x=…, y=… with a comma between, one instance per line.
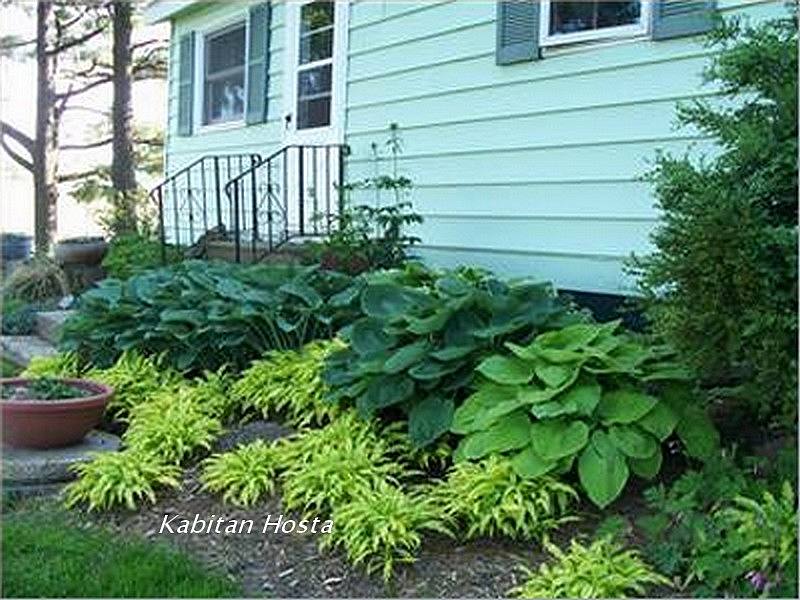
x=585, y=20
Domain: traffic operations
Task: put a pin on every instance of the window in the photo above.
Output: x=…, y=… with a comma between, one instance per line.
x=567, y=22
x=315, y=65
x=223, y=77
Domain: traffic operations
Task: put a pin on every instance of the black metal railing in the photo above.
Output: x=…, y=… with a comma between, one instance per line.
x=292, y=193
x=191, y=201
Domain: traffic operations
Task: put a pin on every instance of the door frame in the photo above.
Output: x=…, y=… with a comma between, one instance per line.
x=333, y=133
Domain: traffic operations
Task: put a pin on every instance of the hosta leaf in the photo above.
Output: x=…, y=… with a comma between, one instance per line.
x=556, y=375
x=632, y=441
x=558, y=438
x=505, y=370
x=452, y=286
x=529, y=464
x=584, y=396
x=453, y=352
x=431, y=369
x=406, y=356
x=367, y=337
x=304, y=292
x=388, y=301
x=624, y=406
x=660, y=421
x=383, y=391
x=698, y=433
x=192, y=317
x=430, y=324
x=428, y=419
x=569, y=338
x=602, y=470
x=531, y=394
x=509, y=433
x=484, y=407
x=460, y=328
x=646, y=468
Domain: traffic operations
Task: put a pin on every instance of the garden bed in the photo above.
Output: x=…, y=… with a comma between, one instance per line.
x=290, y=565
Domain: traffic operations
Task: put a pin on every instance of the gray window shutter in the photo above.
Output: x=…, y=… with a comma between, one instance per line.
x=678, y=18
x=517, y=31
x=258, y=63
x=185, y=83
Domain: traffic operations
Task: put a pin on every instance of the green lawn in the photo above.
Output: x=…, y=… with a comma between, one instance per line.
x=44, y=555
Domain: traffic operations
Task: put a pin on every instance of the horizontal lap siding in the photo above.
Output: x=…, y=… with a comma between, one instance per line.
x=261, y=138
x=528, y=169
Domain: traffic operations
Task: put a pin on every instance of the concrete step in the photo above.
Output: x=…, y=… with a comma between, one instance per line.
x=49, y=324
x=224, y=250
x=20, y=349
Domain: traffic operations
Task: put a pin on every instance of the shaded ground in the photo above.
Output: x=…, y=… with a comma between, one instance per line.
x=289, y=565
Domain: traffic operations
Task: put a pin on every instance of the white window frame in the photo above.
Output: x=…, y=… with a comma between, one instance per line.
x=642, y=28
x=238, y=19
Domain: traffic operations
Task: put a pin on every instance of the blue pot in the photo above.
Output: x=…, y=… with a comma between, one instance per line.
x=15, y=246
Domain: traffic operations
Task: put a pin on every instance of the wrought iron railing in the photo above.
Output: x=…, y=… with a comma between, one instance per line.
x=191, y=201
x=293, y=193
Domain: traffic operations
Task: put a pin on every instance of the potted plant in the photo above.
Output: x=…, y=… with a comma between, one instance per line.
x=15, y=246
x=50, y=412
x=86, y=251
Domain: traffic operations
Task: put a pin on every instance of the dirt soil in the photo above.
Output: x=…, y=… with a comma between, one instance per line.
x=290, y=564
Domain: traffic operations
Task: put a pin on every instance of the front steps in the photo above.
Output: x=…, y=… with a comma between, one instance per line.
x=20, y=349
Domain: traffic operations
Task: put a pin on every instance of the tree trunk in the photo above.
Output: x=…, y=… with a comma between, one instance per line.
x=123, y=175
x=45, y=150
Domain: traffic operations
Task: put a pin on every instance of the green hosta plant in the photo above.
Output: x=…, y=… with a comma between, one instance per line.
x=135, y=379
x=245, y=475
x=323, y=468
x=416, y=348
x=382, y=526
x=289, y=384
x=172, y=425
x=490, y=499
x=582, y=394
x=125, y=478
x=200, y=316
x=604, y=569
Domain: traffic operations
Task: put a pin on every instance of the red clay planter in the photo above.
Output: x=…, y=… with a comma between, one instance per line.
x=32, y=423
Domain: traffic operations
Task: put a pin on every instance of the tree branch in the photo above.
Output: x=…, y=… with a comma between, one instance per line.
x=75, y=176
x=24, y=140
x=87, y=146
x=76, y=41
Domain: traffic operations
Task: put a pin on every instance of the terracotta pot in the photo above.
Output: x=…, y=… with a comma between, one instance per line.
x=88, y=252
x=52, y=423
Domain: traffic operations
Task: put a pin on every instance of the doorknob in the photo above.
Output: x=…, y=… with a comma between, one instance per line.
x=287, y=119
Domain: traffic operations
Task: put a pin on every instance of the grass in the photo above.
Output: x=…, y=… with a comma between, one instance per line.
x=46, y=555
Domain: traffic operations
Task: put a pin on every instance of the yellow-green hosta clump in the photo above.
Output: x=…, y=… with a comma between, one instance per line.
x=604, y=569
x=135, y=379
x=124, y=478
x=244, y=475
x=63, y=364
x=324, y=468
x=289, y=384
x=171, y=425
x=489, y=498
x=212, y=393
x=382, y=526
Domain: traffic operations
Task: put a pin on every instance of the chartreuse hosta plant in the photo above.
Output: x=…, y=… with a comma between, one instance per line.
x=124, y=478
x=383, y=525
x=244, y=475
x=604, y=569
x=172, y=425
x=288, y=384
x=490, y=499
x=416, y=348
x=324, y=468
x=63, y=364
x=581, y=395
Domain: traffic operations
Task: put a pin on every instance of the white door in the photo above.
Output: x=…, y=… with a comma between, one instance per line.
x=316, y=47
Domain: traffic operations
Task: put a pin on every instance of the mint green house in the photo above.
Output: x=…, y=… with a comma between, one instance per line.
x=525, y=126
